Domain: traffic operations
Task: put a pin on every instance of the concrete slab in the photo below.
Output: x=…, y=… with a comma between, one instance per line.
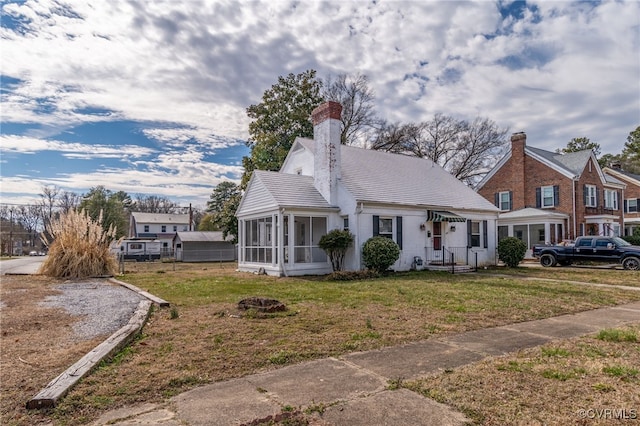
x=607, y=317
x=323, y=381
x=497, y=341
x=138, y=415
x=232, y=402
x=393, y=408
x=556, y=328
x=413, y=360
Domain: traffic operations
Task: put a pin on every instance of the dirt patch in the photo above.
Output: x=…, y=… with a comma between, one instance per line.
x=38, y=343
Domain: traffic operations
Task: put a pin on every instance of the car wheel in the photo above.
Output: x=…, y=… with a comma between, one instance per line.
x=548, y=260
x=631, y=263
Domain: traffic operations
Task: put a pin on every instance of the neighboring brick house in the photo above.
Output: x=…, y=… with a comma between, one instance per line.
x=546, y=197
x=631, y=197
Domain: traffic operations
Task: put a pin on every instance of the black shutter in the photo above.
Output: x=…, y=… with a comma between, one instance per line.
x=510, y=200
x=626, y=209
x=376, y=226
x=538, y=197
x=598, y=197
x=484, y=233
x=496, y=199
x=399, y=231
x=585, y=194
x=468, y=233
x=556, y=195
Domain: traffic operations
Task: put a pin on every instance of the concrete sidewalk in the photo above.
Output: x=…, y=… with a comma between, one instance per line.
x=352, y=389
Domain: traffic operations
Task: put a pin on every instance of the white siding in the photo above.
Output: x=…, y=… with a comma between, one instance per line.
x=256, y=199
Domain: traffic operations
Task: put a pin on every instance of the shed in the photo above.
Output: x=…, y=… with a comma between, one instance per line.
x=201, y=246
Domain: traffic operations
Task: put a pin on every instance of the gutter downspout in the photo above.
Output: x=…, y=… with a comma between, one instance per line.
x=358, y=258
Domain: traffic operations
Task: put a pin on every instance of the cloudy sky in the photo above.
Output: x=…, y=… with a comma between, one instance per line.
x=149, y=97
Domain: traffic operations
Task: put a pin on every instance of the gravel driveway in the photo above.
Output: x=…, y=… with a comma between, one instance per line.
x=103, y=306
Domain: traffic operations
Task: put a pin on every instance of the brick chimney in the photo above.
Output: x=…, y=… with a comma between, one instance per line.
x=518, y=143
x=327, y=128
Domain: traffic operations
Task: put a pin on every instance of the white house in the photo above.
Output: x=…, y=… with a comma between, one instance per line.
x=324, y=185
x=159, y=226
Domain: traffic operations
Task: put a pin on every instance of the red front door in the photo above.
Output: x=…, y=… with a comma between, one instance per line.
x=437, y=235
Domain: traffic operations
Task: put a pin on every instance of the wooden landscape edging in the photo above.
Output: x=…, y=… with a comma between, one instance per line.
x=155, y=299
x=58, y=387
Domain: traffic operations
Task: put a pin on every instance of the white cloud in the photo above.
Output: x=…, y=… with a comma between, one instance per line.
x=30, y=145
x=563, y=70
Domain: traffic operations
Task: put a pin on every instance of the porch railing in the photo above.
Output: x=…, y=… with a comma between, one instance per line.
x=448, y=256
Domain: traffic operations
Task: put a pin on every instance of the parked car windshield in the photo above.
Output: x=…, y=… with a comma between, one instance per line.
x=620, y=242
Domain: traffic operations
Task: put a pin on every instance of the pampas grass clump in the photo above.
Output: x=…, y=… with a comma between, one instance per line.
x=79, y=247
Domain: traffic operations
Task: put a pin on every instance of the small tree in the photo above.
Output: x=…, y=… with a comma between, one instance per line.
x=379, y=253
x=511, y=251
x=335, y=244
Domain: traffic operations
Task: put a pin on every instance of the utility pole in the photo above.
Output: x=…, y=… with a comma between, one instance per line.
x=10, y=232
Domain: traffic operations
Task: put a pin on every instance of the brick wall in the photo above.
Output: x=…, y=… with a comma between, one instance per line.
x=522, y=174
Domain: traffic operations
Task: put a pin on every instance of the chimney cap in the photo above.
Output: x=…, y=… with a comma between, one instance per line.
x=325, y=111
x=518, y=136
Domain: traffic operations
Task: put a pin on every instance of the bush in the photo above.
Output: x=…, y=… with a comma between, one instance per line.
x=511, y=251
x=379, y=253
x=335, y=243
x=352, y=275
x=632, y=239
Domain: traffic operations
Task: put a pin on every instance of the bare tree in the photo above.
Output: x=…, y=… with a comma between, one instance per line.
x=30, y=217
x=466, y=150
x=68, y=201
x=357, y=100
x=478, y=149
x=154, y=204
x=398, y=138
x=48, y=199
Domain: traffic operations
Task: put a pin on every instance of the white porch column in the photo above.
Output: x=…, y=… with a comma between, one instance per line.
x=240, y=241
x=547, y=232
x=280, y=245
x=274, y=239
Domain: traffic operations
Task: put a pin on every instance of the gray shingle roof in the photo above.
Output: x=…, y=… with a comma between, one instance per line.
x=160, y=218
x=384, y=177
x=573, y=162
x=291, y=190
x=201, y=236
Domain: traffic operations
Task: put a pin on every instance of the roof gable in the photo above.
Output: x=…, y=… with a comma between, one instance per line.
x=271, y=190
x=571, y=164
x=621, y=175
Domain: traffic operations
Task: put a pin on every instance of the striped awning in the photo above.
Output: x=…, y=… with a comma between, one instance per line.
x=443, y=216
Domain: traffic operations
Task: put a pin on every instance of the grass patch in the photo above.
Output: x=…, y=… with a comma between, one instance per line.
x=552, y=351
x=618, y=335
x=621, y=371
x=545, y=385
